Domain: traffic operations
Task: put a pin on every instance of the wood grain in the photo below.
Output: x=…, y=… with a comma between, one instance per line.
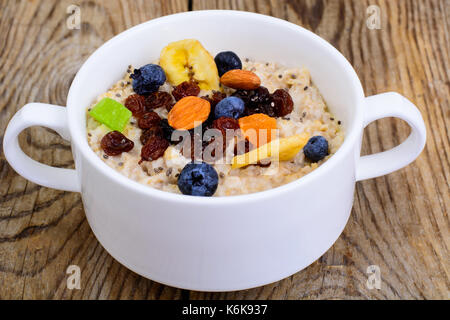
x=399, y=222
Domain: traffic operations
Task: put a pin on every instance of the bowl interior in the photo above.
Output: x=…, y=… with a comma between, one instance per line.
x=249, y=35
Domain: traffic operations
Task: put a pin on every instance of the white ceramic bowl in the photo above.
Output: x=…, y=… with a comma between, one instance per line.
x=228, y=243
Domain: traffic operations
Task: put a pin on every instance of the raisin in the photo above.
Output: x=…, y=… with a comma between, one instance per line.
x=136, y=104
x=256, y=101
x=167, y=129
x=154, y=148
x=153, y=131
x=216, y=97
x=159, y=99
x=148, y=120
x=114, y=143
x=168, y=132
x=254, y=97
x=283, y=104
x=207, y=98
x=243, y=146
x=193, y=149
x=264, y=163
x=223, y=124
x=266, y=109
x=211, y=157
x=185, y=89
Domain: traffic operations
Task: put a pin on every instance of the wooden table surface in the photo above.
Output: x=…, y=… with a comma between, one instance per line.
x=399, y=222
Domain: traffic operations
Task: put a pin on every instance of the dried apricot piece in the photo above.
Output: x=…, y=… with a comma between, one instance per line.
x=258, y=128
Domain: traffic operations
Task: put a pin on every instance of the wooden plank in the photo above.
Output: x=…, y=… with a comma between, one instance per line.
x=43, y=231
x=399, y=222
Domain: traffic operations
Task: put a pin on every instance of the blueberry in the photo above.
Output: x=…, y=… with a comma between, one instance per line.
x=166, y=129
x=227, y=61
x=148, y=79
x=231, y=107
x=198, y=179
x=168, y=132
x=316, y=149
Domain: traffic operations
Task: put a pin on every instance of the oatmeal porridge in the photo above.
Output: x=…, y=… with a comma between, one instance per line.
x=193, y=124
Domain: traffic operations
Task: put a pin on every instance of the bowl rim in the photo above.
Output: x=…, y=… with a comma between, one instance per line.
x=352, y=135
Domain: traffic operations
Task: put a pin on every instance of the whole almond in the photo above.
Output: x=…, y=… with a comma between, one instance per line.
x=188, y=112
x=240, y=79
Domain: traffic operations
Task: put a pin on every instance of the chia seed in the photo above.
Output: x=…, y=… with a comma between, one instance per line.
x=118, y=95
x=305, y=88
x=177, y=175
x=105, y=156
x=169, y=172
x=222, y=175
x=339, y=122
x=293, y=76
x=280, y=76
x=120, y=164
x=332, y=119
x=89, y=134
x=159, y=169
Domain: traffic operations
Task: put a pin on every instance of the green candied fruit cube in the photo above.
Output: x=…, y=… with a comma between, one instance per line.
x=111, y=113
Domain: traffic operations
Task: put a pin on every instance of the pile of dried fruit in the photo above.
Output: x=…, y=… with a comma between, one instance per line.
x=247, y=117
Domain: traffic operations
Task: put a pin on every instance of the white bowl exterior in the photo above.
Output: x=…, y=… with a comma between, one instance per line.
x=219, y=248
x=219, y=244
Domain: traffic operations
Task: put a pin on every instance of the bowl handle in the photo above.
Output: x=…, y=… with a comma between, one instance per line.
x=39, y=114
x=385, y=105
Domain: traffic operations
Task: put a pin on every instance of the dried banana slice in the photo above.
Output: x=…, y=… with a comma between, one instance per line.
x=187, y=59
x=284, y=149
